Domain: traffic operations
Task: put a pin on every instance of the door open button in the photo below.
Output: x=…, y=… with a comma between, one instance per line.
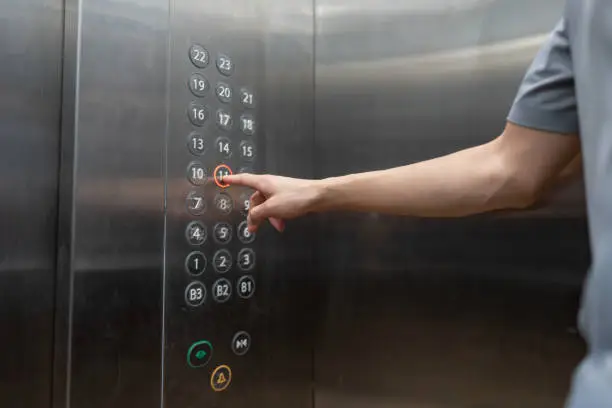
x=199, y=354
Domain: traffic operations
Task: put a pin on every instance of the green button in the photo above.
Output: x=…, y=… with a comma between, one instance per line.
x=199, y=354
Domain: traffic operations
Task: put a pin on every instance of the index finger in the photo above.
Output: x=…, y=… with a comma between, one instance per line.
x=244, y=179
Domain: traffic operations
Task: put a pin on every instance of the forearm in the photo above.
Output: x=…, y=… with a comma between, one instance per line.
x=467, y=182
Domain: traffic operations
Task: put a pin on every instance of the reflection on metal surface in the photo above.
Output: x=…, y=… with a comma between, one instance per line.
x=30, y=97
x=468, y=312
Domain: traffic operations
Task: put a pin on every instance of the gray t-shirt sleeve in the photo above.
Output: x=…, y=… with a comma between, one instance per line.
x=546, y=99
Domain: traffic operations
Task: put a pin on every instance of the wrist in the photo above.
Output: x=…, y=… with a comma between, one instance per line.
x=322, y=195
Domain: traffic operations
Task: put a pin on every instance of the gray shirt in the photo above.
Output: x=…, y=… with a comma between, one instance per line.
x=568, y=89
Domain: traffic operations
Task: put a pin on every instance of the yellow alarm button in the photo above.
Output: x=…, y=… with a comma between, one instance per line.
x=221, y=378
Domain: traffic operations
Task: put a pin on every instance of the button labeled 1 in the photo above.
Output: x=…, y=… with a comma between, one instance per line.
x=195, y=264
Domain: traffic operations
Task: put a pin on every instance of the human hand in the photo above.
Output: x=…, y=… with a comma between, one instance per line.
x=276, y=198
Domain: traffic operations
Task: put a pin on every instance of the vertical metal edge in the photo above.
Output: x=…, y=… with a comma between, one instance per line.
x=162, y=395
x=65, y=230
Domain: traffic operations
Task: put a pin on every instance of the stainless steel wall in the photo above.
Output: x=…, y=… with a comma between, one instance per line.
x=124, y=328
x=30, y=97
x=439, y=313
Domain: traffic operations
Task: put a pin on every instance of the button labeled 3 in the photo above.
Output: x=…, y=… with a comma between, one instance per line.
x=221, y=378
x=199, y=354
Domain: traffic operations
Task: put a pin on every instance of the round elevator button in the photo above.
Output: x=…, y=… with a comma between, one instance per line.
x=196, y=203
x=196, y=174
x=199, y=354
x=222, y=233
x=196, y=233
x=224, y=92
x=224, y=203
x=247, y=98
x=241, y=343
x=222, y=290
x=247, y=124
x=195, y=264
x=244, y=235
x=195, y=294
x=197, y=114
x=221, y=171
x=225, y=65
x=246, y=286
x=246, y=259
x=221, y=378
x=198, y=85
x=196, y=144
x=222, y=261
x=199, y=56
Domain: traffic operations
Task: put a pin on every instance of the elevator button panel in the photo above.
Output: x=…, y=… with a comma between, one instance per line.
x=214, y=264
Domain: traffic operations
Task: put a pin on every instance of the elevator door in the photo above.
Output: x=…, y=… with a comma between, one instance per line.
x=30, y=79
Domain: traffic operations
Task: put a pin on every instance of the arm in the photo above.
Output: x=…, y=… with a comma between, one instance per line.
x=511, y=171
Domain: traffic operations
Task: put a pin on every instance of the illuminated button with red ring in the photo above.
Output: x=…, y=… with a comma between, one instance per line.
x=221, y=171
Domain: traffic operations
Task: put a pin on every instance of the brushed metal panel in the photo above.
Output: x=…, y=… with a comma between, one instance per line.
x=112, y=214
x=30, y=79
x=479, y=311
x=270, y=44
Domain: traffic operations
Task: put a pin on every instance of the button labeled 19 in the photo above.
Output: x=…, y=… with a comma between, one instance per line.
x=198, y=85
x=244, y=235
